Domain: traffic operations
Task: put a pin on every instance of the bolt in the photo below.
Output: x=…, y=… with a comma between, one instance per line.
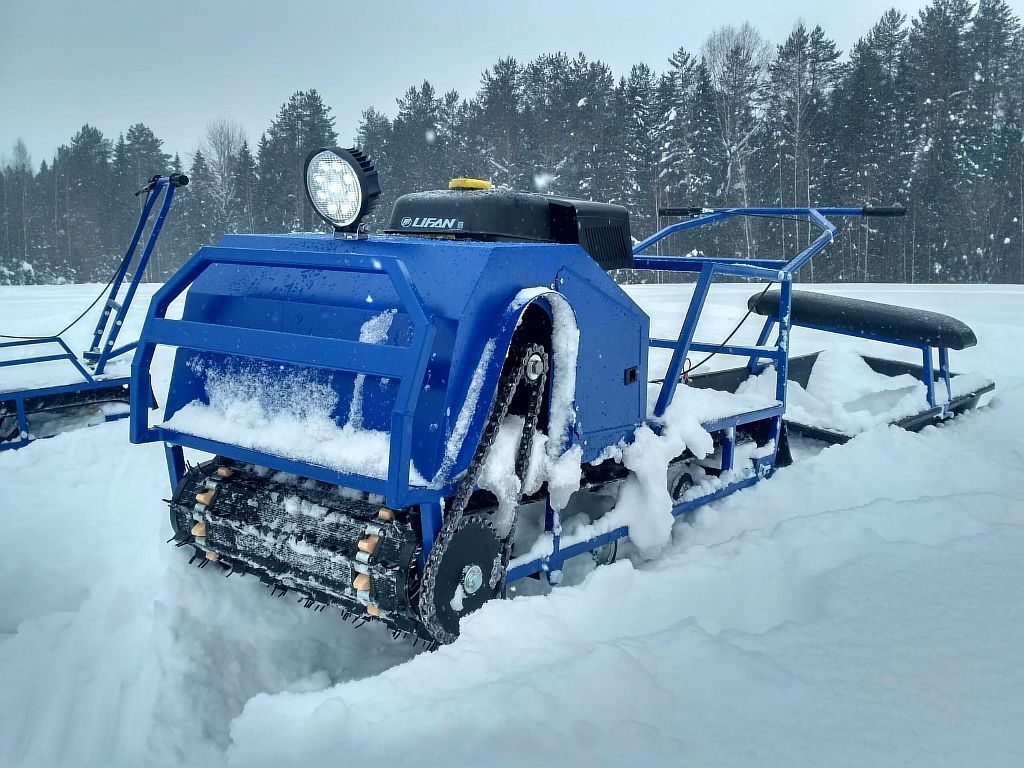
x=472, y=579
x=534, y=367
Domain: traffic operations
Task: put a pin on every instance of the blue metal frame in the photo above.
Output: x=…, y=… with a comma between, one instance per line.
x=928, y=373
x=92, y=363
x=707, y=268
x=408, y=365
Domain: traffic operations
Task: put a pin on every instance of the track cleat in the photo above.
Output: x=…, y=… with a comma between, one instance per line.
x=361, y=583
x=373, y=610
x=205, y=497
x=199, y=530
x=385, y=514
x=225, y=472
x=369, y=544
x=212, y=556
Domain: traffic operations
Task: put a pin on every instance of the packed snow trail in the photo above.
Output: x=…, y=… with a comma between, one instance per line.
x=861, y=608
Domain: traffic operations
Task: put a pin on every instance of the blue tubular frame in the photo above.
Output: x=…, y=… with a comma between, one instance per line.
x=95, y=357
x=773, y=270
x=707, y=268
x=928, y=374
x=94, y=353
x=407, y=364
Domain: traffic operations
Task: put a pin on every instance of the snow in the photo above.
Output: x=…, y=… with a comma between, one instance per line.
x=373, y=331
x=845, y=395
x=43, y=310
x=252, y=405
x=860, y=608
x=465, y=417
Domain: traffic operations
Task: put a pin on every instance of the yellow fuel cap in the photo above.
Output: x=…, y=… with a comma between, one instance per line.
x=469, y=184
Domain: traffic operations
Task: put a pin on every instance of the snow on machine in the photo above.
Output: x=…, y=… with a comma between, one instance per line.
x=380, y=409
x=45, y=388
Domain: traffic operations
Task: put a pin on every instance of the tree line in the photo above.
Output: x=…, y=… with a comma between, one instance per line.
x=925, y=112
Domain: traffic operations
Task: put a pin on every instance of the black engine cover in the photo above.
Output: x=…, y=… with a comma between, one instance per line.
x=602, y=229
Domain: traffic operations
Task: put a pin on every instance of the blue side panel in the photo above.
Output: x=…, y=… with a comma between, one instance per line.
x=612, y=369
x=314, y=292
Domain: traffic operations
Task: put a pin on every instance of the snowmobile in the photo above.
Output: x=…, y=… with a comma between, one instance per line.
x=81, y=390
x=374, y=412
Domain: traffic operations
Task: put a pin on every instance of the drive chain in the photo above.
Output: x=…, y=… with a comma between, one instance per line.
x=511, y=378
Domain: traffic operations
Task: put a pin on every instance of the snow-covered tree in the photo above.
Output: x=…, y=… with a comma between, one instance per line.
x=221, y=146
x=798, y=154
x=737, y=60
x=303, y=124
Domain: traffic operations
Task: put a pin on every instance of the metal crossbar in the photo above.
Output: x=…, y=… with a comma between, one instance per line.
x=405, y=364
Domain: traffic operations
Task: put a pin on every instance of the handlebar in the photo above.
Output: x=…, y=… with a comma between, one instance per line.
x=175, y=180
x=867, y=210
x=892, y=210
x=694, y=211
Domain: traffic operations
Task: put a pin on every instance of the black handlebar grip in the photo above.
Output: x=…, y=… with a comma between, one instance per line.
x=680, y=211
x=892, y=210
x=178, y=180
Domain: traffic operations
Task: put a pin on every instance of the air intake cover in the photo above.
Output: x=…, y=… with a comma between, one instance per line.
x=602, y=229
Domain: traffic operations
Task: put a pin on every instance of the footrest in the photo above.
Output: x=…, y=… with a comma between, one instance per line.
x=857, y=317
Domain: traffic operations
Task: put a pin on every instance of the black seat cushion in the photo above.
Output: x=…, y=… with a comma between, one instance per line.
x=856, y=316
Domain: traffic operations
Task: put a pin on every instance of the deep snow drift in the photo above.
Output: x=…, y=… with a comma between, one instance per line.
x=861, y=608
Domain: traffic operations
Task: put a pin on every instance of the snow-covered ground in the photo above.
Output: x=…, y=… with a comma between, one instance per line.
x=863, y=608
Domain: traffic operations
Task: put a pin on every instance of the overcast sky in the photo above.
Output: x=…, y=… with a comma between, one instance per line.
x=176, y=65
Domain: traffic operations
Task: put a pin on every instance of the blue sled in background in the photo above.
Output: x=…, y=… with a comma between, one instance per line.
x=375, y=411
x=82, y=390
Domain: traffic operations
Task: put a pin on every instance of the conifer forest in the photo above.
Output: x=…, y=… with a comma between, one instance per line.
x=925, y=111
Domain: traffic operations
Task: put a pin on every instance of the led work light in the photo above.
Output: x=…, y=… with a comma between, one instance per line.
x=342, y=186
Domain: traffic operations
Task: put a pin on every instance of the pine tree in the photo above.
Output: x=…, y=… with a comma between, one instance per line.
x=796, y=136
x=375, y=139
x=939, y=72
x=138, y=156
x=86, y=242
x=497, y=119
x=590, y=170
x=454, y=133
x=17, y=214
x=993, y=133
x=549, y=111
x=197, y=214
x=639, y=159
x=414, y=142
x=675, y=130
x=737, y=58
x=243, y=205
x=303, y=124
x=873, y=155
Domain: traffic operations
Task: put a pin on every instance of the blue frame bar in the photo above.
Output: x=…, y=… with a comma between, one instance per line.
x=944, y=372
x=94, y=358
x=725, y=349
x=675, y=366
x=771, y=270
x=101, y=358
x=405, y=364
x=715, y=215
x=553, y=562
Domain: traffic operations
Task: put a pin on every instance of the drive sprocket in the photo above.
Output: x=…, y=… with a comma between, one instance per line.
x=469, y=571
